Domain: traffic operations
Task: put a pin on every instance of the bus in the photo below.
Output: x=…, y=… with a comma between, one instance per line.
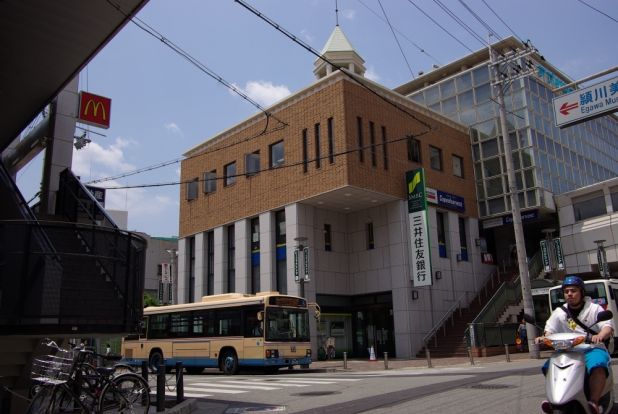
x=227, y=331
x=601, y=291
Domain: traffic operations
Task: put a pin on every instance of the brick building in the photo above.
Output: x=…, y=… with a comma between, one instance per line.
x=326, y=170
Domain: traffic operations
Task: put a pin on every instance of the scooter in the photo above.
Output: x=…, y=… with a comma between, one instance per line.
x=566, y=380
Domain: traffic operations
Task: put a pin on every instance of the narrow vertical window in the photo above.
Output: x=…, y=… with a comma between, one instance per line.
x=277, y=154
x=327, y=238
x=231, y=259
x=191, y=297
x=458, y=166
x=384, y=148
x=255, y=255
x=210, y=276
x=210, y=181
x=305, y=151
x=441, y=234
x=317, y=145
x=369, y=234
x=192, y=189
x=372, y=141
x=280, y=240
x=229, y=177
x=435, y=158
x=331, y=141
x=414, y=149
x=463, y=240
x=252, y=163
x=359, y=127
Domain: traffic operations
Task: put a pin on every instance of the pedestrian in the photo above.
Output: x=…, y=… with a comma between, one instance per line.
x=108, y=349
x=522, y=335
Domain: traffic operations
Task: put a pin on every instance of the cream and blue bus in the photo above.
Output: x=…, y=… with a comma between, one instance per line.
x=227, y=331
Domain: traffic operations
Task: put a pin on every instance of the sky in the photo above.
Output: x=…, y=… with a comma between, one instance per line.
x=162, y=105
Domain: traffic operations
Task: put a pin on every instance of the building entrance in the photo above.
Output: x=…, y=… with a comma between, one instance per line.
x=374, y=328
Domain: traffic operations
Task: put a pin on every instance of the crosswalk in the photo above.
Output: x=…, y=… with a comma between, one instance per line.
x=201, y=387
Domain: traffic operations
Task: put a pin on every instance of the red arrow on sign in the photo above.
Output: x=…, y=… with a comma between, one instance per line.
x=566, y=107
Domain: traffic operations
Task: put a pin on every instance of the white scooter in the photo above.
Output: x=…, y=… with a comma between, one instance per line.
x=566, y=378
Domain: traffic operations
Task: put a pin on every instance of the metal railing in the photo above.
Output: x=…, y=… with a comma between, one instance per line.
x=448, y=314
x=491, y=334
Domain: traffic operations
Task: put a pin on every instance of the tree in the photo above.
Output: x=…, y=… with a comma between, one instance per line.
x=150, y=300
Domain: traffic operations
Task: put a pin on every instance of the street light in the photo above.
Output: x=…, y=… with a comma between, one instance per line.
x=173, y=253
x=300, y=279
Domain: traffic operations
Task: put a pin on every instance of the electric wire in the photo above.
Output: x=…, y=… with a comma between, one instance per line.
x=440, y=26
x=181, y=52
x=503, y=22
x=597, y=10
x=480, y=20
x=396, y=40
x=334, y=65
x=421, y=49
x=291, y=165
x=460, y=22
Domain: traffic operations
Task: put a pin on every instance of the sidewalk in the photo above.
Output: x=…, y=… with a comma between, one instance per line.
x=394, y=363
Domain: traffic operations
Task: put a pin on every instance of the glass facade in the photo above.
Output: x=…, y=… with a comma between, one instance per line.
x=544, y=156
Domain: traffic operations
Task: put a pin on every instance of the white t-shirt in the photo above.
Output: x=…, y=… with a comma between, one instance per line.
x=558, y=322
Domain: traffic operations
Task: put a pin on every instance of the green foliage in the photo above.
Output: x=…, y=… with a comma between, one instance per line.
x=150, y=300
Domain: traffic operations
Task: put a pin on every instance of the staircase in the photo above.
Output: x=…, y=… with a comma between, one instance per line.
x=449, y=340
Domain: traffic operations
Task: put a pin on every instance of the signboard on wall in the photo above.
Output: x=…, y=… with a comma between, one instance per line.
x=94, y=110
x=586, y=103
x=419, y=229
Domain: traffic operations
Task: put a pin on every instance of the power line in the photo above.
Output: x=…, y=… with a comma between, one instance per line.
x=294, y=164
x=503, y=22
x=480, y=20
x=597, y=10
x=334, y=65
x=440, y=26
x=396, y=40
x=460, y=22
x=195, y=62
x=421, y=49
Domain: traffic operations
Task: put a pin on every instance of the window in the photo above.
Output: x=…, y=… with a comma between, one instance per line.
x=305, y=151
x=463, y=240
x=191, y=263
x=441, y=234
x=276, y=154
x=192, y=189
x=229, y=177
x=372, y=140
x=327, y=238
x=384, y=142
x=591, y=205
x=414, y=149
x=331, y=142
x=255, y=255
x=359, y=127
x=231, y=259
x=457, y=166
x=369, y=234
x=435, y=158
x=317, y=145
x=281, y=254
x=210, y=181
x=252, y=163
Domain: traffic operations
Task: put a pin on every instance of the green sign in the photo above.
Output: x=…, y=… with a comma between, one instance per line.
x=306, y=263
x=296, y=272
x=545, y=256
x=417, y=197
x=558, y=252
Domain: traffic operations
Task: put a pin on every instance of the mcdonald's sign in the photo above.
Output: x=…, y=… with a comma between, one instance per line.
x=94, y=109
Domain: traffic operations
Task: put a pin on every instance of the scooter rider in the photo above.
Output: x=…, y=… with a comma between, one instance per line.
x=563, y=319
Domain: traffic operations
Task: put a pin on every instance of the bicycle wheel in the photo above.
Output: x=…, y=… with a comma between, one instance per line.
x=126, y=393
x=64, y=402
x=42, y=401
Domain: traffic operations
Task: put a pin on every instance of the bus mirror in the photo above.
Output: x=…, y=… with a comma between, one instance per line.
x=260, y=316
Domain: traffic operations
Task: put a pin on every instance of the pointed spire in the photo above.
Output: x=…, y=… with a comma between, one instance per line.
x=336, y=14
x=339, y=51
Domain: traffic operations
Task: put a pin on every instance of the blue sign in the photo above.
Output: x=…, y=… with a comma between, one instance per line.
x=451, y=201
x=525, y=216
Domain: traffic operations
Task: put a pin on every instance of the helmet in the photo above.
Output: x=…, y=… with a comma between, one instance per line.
x=573, y=281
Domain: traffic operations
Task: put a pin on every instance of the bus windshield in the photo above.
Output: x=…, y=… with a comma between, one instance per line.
x=287, y=324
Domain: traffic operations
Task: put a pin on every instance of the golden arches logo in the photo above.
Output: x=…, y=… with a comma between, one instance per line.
x=415, y=181
x=96, y=106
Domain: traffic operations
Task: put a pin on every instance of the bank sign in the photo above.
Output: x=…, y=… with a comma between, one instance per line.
x=587, y=103
x=419, y=229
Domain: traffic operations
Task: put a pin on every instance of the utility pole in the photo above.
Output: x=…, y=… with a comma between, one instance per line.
x=499, y=79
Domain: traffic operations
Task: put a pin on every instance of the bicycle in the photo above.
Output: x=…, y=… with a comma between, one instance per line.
x=70, y=384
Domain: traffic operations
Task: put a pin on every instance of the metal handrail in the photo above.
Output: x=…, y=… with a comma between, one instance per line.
x=444, y=318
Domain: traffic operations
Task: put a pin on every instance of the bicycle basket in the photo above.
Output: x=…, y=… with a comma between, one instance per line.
x=53, y=369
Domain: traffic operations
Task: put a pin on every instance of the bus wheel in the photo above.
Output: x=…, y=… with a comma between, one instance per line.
x=229, y=363
x=155, y=360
